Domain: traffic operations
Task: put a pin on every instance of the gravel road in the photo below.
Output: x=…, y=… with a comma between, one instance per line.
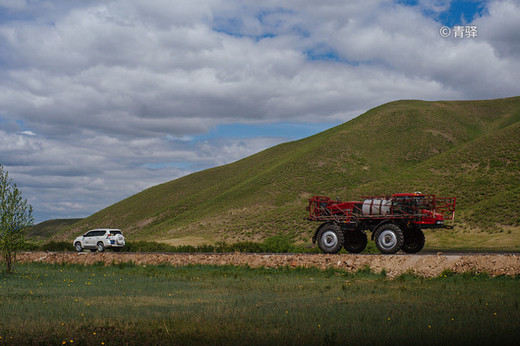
x=423, y=265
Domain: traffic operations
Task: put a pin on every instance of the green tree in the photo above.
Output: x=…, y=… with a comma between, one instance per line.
x=15, y=217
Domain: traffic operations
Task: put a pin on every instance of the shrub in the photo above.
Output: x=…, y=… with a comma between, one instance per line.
x=57, y=246
x=275, y=244
x=30, y=247
x=248, y=247
x=278, y=244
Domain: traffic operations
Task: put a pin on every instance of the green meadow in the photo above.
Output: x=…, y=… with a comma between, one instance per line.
x=133, y=305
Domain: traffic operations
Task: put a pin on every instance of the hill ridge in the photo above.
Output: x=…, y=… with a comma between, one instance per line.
x=265, y=193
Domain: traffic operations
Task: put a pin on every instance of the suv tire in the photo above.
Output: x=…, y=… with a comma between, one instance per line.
x=78, y=246
x=100, y=246
x=119, y=239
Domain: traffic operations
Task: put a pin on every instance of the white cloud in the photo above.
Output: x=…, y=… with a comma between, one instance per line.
x=27, y=133
x=93, y=172
x=100, y=99
x=501, y=30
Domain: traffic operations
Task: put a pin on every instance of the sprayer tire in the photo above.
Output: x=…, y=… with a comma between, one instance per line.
x=355, y=241
x=389, y=238
x=413, y=241
x=330, y=238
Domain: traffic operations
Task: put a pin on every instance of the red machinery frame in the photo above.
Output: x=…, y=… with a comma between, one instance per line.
x=322, y=208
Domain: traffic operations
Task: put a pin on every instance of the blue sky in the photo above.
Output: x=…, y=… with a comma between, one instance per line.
x=462, y=12
x=102, y=99
x=450, y=13
x=279, y=129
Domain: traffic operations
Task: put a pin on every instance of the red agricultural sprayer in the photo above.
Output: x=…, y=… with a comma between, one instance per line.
x=396, y=222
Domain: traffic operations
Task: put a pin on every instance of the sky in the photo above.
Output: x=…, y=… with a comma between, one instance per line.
x=101, y=99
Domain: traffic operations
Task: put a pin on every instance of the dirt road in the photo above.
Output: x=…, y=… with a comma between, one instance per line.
x=394, y=265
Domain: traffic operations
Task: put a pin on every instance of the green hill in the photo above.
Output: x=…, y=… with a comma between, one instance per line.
x=467, y=149
x=46, y=229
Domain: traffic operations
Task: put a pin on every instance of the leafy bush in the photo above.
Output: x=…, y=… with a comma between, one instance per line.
x=57, y=246
x=147, y=246
x=278, y=244
x=30, y=247
x=275, y=244
x=248, y=246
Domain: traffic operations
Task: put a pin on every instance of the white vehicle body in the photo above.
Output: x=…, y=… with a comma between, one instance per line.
x=100, y=239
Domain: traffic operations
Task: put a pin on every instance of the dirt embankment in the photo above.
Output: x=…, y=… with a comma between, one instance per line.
x=394, y=265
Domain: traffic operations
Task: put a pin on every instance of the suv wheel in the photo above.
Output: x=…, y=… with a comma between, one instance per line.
x=78, y=246
x=101, y=246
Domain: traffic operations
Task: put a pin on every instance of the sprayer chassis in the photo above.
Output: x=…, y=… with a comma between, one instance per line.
x=395, y=222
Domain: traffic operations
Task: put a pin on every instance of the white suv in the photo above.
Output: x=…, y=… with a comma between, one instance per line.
x=100, y=239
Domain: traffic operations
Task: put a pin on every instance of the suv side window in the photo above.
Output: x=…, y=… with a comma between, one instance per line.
x=90, y=234
x=100, y=233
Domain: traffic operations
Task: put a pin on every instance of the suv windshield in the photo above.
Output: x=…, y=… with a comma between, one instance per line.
x=115, y=232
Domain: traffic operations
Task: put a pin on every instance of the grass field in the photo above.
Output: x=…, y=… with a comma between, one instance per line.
x=128, y=304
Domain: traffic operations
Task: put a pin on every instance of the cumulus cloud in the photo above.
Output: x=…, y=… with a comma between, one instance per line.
x=501, y=30
x=79, y=177
x=105, y=98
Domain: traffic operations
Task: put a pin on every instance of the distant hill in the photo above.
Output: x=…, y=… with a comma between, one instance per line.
x=467, y=149
x=47, y=229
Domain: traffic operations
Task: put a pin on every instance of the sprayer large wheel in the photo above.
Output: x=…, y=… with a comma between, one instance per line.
x=355, y=241
x=389, y=238
x=330, y=238
x=413, y=241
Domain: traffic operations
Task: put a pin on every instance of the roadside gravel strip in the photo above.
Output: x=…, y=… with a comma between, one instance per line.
x=394, y=265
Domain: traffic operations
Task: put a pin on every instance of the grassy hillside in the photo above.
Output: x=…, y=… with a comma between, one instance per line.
x=468, y=149
x=45, y=230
